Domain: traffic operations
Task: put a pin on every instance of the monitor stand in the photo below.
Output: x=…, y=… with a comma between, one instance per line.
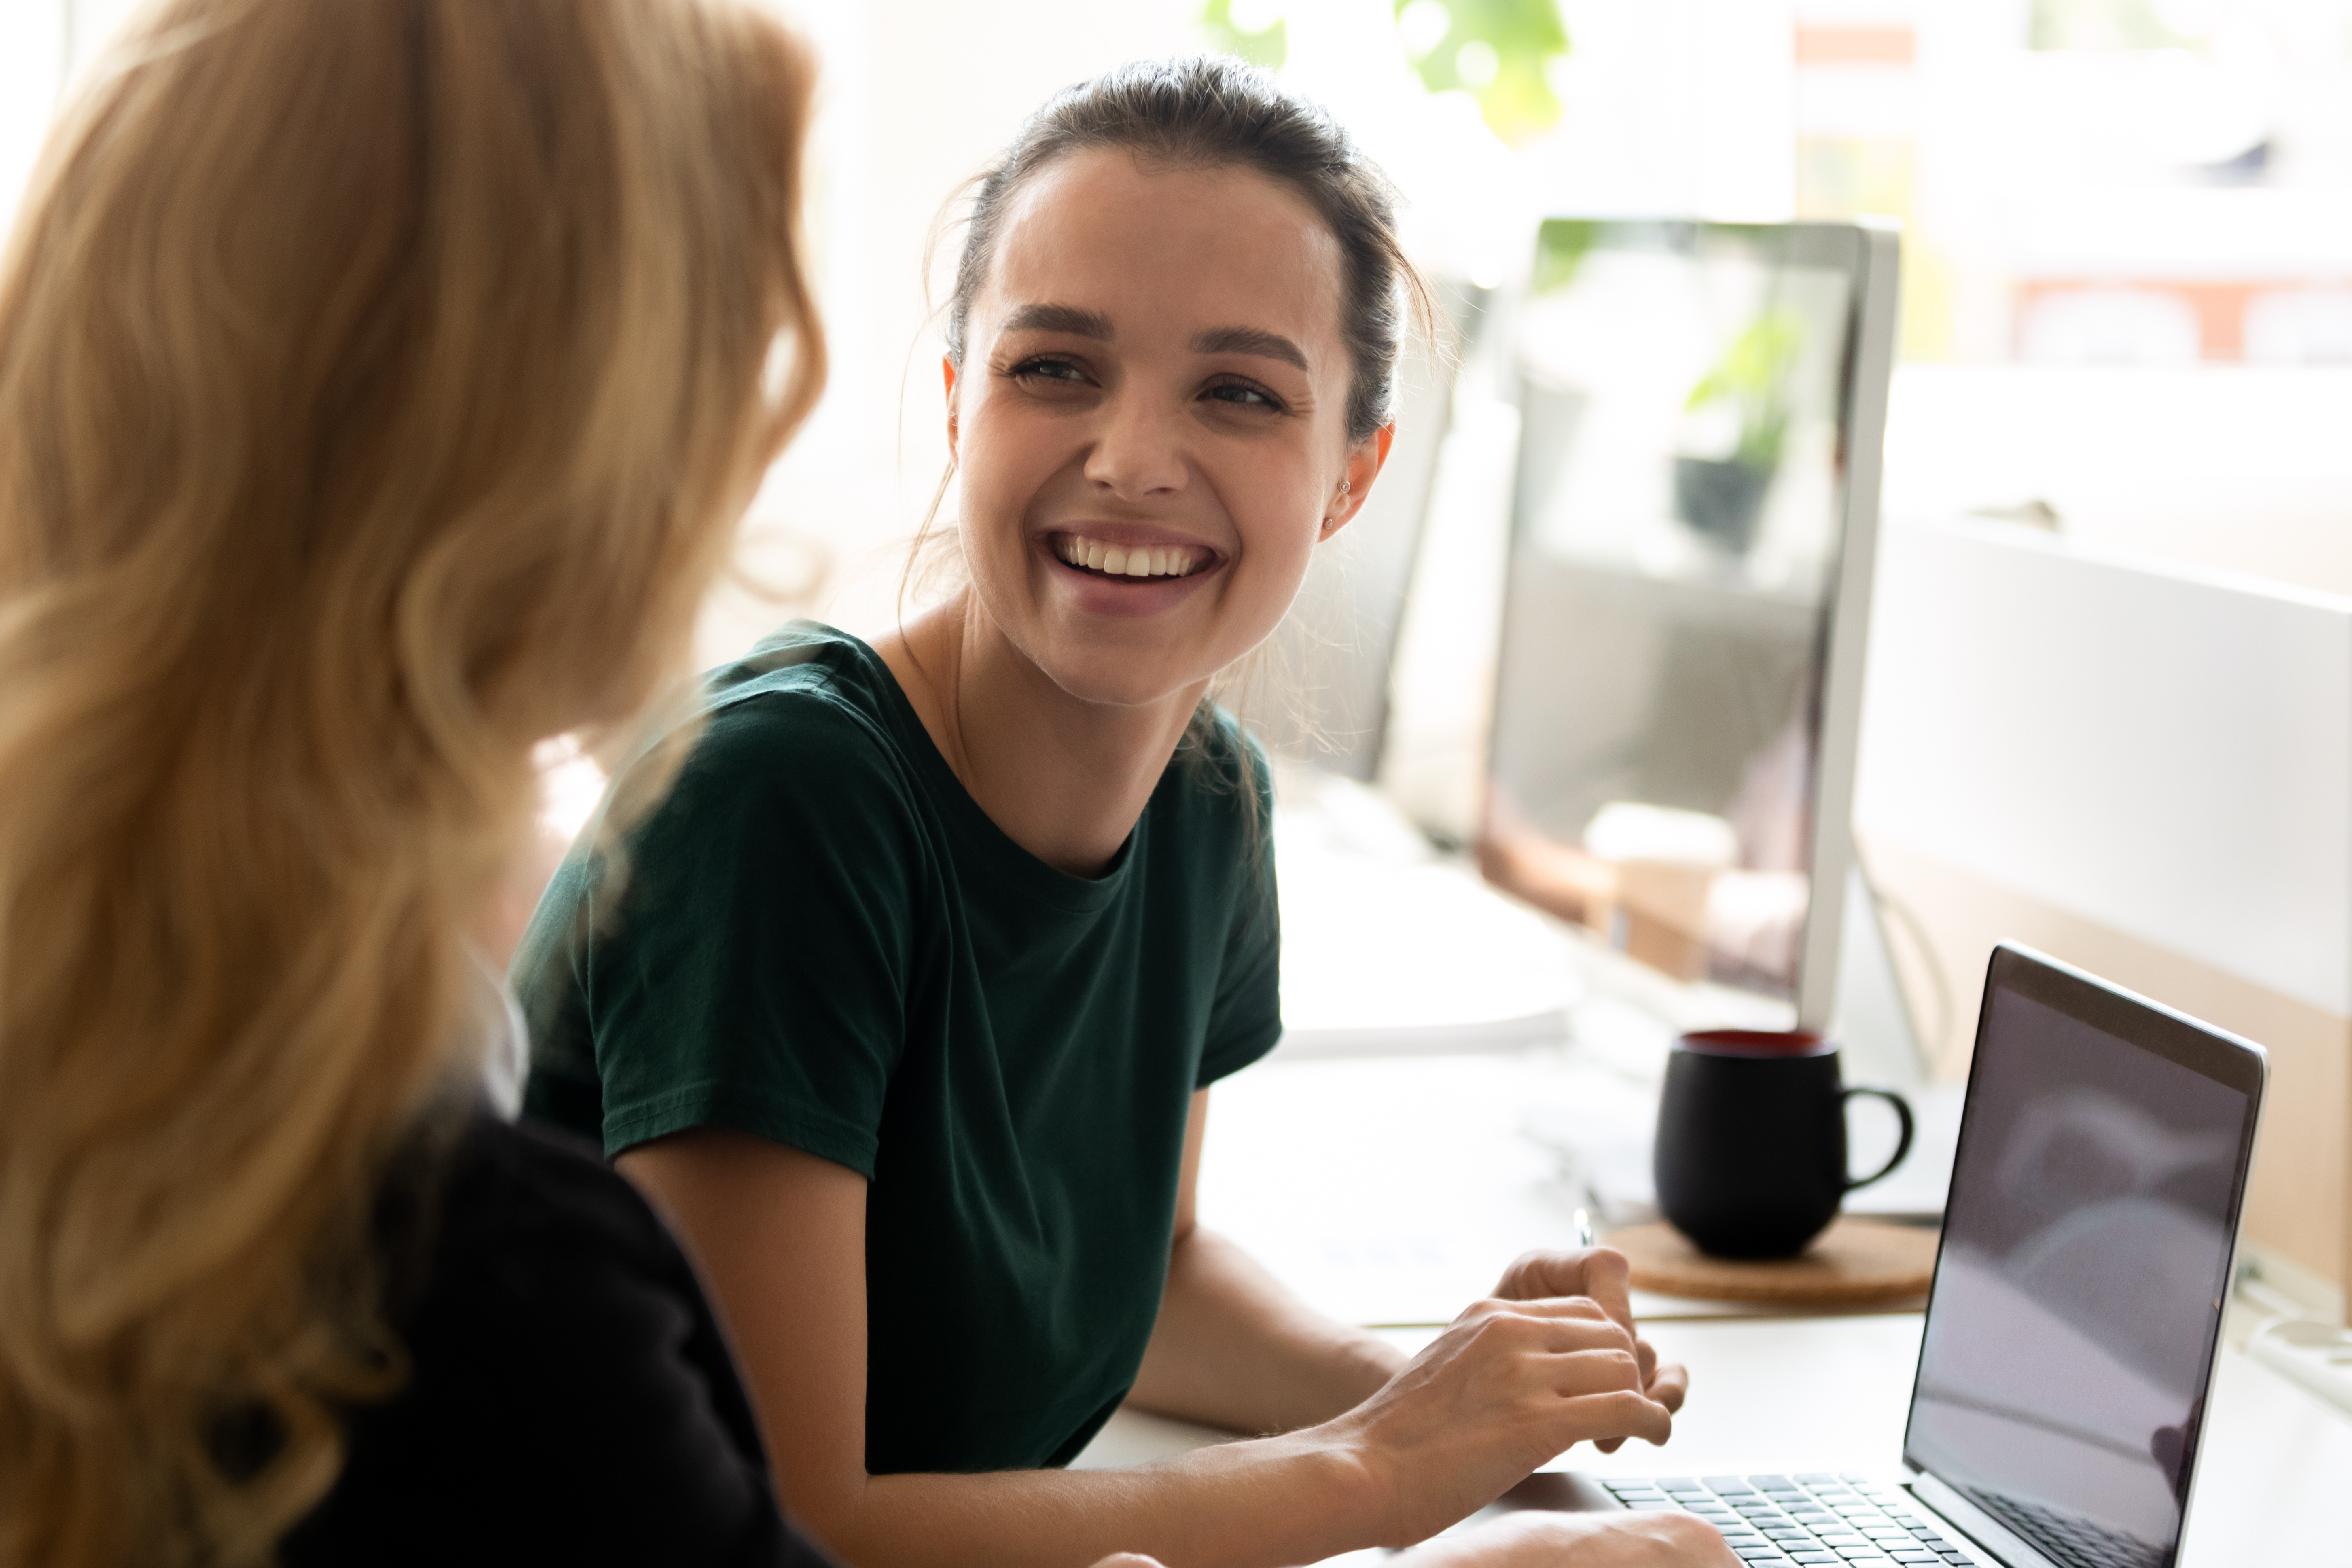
x=1872, y=1021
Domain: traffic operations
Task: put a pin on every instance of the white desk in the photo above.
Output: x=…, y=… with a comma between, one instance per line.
x=1395, y=1191
x=2273, y=1487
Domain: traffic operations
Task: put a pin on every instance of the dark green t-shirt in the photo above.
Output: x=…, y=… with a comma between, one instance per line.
x=823, y=939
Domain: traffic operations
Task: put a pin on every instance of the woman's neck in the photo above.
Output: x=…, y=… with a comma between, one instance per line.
x=1064, y=779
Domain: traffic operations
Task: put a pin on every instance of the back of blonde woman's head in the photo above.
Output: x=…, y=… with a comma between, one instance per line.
x=380, y=382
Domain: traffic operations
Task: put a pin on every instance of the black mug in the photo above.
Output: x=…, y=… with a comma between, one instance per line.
x=1750, y=1151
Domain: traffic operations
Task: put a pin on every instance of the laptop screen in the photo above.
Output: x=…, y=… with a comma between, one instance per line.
x=2093, y=1209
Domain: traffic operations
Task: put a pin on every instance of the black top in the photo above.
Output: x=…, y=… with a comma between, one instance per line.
x=570, y=1399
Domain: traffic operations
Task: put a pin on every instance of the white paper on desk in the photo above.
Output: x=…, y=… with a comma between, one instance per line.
x=1395, y=1191
x=1385, y=958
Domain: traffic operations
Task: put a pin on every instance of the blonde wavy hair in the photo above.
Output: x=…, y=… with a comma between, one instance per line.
x=380, y=383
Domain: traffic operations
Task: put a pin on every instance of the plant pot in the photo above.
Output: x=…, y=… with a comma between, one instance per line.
x=1721, y=499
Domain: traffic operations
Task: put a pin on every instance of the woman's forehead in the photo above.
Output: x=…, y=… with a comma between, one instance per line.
x=1183, y=245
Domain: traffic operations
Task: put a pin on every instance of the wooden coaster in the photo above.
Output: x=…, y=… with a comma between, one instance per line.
x=1854, y=1263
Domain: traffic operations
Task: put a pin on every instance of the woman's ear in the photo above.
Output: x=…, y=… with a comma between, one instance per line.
x=1365, y=460
x=948, y=373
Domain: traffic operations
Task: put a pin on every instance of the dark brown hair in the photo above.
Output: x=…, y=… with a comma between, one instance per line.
x=1215, y=111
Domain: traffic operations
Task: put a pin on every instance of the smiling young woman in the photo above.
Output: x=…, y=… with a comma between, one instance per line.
x=908, y=1008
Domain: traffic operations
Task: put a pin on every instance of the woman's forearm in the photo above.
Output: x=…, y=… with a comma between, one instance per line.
x=1233, y=1348
x=1240, y=1505
x=1508, y=1384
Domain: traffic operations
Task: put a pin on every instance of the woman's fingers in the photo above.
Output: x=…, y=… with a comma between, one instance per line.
x=1552, y=1328
x=1668, y=1384
x=1573, y=1313
x=1612, y=1414
x=1593, y=1372
x=1540, y=1540
x=1508, y=1385
x=1600, y=1273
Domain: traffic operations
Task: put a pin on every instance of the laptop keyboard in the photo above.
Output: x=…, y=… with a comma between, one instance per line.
x=1815, y=1521
x=2066, y=1538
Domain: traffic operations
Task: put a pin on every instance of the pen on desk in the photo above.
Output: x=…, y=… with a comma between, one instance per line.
x=1584, y=1229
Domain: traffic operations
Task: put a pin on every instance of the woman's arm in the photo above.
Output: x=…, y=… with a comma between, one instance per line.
x=1558, y=1541
x=781, y=1237
x=1233, y=1348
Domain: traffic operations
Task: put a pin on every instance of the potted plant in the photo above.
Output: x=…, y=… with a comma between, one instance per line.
x=1722, y=498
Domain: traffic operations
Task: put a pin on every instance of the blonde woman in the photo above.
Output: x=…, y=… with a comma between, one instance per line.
x=380, y=383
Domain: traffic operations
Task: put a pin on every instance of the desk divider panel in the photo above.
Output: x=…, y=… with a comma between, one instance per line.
x=2144, y=771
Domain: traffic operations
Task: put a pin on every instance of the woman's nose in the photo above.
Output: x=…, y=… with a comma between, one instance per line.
x=1138, y=451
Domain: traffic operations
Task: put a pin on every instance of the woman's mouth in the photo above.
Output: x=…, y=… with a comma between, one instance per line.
x=1104, y=558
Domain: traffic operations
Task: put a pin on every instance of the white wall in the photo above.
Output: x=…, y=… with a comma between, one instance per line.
x=2163, y=751
x=2230, y=468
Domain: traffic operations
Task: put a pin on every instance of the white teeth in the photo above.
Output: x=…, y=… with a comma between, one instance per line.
x=1124, y=561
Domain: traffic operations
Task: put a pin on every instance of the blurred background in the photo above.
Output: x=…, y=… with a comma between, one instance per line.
x=2127, y=271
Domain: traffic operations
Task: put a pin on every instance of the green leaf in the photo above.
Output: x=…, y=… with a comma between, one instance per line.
x=1268, y=47
x=1509, y=43
x=1561, y=245
x=1753, y=377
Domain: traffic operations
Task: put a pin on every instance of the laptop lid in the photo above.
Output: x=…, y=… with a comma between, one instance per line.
x=2087, y=1246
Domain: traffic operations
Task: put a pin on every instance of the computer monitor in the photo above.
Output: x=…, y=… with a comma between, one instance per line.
x=1688, y=591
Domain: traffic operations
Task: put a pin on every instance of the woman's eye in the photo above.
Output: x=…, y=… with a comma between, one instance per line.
x=1244, y=394
x=1047, y=369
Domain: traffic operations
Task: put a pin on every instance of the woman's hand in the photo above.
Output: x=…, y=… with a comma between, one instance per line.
x=1509, y=1384
x=1538, y=1540
x=1602, y=1274
x=1535, y=1540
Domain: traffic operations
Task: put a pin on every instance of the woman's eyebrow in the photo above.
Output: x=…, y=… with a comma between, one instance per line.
x=1248, y=341
x=1067, y=319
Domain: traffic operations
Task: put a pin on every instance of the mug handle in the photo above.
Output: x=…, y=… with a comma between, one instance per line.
x=1902, y=1144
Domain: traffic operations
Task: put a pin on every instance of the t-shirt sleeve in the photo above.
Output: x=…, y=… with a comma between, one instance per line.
x=1246, y=1019
x=755, y=972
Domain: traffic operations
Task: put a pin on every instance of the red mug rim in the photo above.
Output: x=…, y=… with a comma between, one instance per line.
x=1761, y=1043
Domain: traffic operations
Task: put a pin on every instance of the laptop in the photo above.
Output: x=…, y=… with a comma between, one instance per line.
x=2069, y=1346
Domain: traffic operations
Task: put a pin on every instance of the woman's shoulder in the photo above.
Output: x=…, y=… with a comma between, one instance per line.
x=532, y=1233
x=521, y=1187
x=568, y=1395
x=805, y=685
x=808, y=720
